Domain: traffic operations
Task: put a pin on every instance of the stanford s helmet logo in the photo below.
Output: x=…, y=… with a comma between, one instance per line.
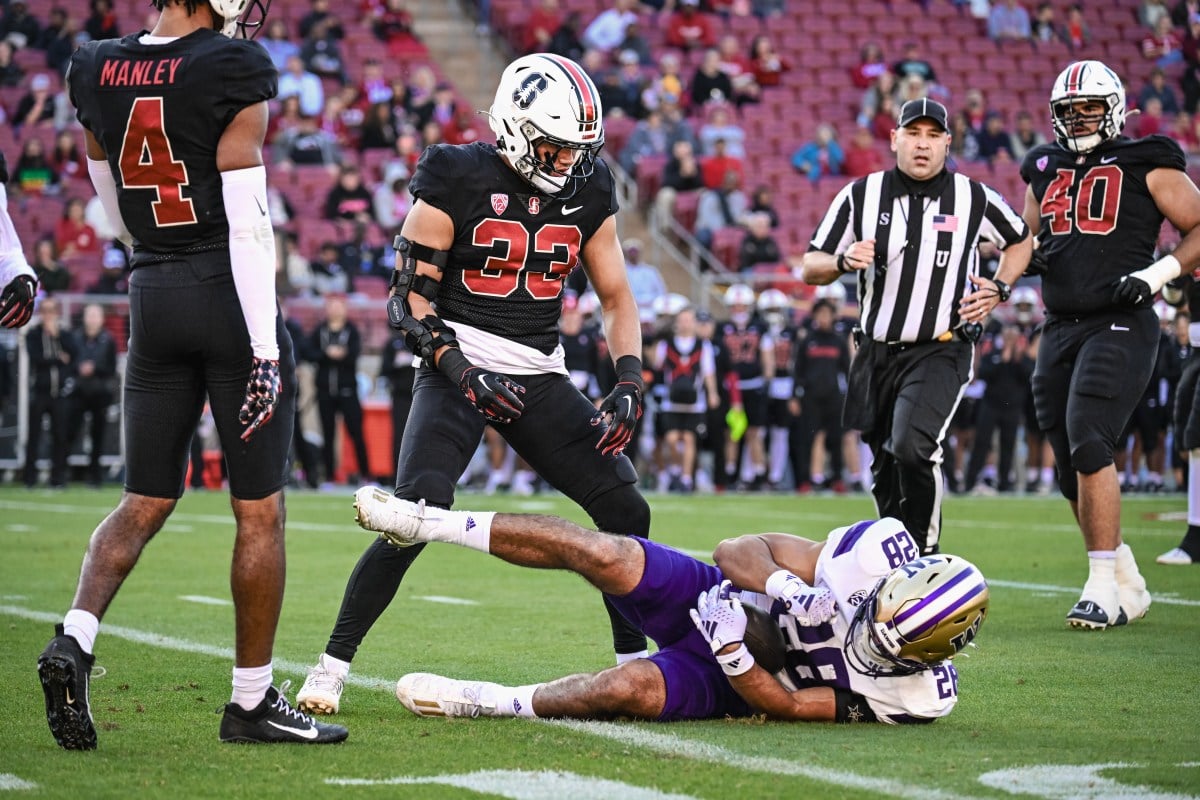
x=528, y=91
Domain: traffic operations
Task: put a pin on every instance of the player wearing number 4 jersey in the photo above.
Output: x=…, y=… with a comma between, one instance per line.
x=1098, y=200
x=477, y=292
x=175, y=119
x=869, y=627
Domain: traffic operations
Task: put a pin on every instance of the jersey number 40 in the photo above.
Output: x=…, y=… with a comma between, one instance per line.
x=1099, y=181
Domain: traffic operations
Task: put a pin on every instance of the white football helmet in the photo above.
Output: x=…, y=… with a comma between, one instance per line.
x=775, y=307
x=544, y=97
x=920, y=613
x=739, y=294
x=835, y=291
x=1087, y=80
x=235, y=15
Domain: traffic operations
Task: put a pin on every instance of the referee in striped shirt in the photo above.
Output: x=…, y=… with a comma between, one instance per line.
x=912, y=235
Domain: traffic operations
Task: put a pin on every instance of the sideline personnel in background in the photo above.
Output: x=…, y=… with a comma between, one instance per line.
x=912, y=236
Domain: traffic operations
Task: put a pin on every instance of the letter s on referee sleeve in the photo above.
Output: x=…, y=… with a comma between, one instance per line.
x=252, y=255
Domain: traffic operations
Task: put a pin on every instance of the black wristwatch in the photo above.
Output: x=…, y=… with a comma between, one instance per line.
x=1002, y=289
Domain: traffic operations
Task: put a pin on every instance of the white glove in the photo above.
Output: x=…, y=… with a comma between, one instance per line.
x=810, y=605
x=722, y=622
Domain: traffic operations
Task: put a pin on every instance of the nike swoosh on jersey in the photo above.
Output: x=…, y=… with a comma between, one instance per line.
x=570, y=209
x=1108, y=159
x=304, y=733
x=1116, y=327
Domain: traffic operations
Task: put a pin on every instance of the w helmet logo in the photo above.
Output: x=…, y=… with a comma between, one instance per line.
x=529, y=90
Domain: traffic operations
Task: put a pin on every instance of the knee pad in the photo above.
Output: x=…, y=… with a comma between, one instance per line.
x=1068, y=483
x=1091, y=456
x=621, y=510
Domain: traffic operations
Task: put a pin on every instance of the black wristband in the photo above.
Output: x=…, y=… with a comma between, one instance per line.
x=841, y=264
x=629, y=369
x=452, y=363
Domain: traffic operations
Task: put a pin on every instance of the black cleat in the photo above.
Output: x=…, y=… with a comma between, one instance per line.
x=65, y=671
x=1089, y=615
x=274, y=720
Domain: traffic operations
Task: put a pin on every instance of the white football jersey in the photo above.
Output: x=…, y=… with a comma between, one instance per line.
x=854, y=559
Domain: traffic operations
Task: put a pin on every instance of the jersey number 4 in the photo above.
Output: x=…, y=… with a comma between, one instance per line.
x=1093, y=209
x=147, y=162
x=501, y=276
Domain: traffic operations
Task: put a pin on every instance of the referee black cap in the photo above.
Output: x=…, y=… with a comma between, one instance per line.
x=914, y=110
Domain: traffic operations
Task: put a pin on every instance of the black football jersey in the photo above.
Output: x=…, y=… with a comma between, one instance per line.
x=513, y=246
x=159, y=111
x=1099, y=221
x=743, y=346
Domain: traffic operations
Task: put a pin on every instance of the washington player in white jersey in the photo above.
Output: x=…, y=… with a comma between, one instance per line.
x=870, y=626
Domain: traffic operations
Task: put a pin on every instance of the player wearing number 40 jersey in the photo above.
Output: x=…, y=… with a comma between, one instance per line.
x=175, y=120
x=869, y=627
x=1098, y=200
x=477, y=292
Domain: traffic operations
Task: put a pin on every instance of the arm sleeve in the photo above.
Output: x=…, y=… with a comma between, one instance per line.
x=252, y=255
x=106, y=189
x=12, y=257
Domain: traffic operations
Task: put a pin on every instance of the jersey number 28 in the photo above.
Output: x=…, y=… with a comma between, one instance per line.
x=147, y=162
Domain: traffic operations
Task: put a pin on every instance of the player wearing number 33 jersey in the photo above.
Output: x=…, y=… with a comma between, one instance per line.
x=477, y=292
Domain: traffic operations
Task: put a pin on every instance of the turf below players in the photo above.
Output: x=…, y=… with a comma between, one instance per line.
x=870, y=628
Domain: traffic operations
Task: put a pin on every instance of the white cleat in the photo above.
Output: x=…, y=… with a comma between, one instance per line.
x=398, y=521
x=428, y=695
x=322, y=690
x=1175, y=557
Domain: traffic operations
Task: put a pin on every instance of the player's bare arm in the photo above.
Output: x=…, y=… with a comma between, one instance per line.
x=605, y=266
x=767, y=696
x=750, y=560
x=1179, y=201
x=241, y=145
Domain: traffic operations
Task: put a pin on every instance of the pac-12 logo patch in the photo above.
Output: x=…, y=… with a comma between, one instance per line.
x=528, y=91
x=1042, y=162
x=535, y=205
x=499, y=203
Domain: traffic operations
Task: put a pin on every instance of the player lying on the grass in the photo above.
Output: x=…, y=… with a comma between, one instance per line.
x=869, y=627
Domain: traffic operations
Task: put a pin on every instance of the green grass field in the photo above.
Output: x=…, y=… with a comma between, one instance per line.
x=1044, y=710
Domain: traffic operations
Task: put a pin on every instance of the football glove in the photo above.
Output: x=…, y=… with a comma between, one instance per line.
x=496, y=396
x=1131, y=291
x=622, y=408
x=722, y=622
x=16, y=301
x=262, y=395
x=810, y=605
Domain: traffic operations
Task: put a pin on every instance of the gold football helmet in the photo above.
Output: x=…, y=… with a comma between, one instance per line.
x=919, y=614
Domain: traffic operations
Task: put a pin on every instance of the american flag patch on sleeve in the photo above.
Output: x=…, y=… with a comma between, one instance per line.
x=945, y=222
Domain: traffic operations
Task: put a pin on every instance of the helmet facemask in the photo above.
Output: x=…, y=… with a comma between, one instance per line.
x=865, y=650
x=1080, y=83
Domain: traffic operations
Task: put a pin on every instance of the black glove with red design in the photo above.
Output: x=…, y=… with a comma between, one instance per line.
x=622, y=409
x=495, y=395
x=262, y=395
x=16, y=301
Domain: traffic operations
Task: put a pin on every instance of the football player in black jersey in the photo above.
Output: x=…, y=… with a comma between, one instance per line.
x=1098, y=199
x=175, y=120
x=1185, y=291
x=478, y=288
x=18, y=283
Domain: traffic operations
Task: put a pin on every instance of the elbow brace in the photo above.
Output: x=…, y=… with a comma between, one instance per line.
x=252, y=255
x=423, y=336
x=106, y=188
x=1159, y=273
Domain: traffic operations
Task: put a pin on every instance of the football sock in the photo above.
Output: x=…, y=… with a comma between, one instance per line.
x=623, y=658
x=1193, y=488
x=1191, y=542
x=517, y=701
x=471, y=529
x=1102, y=567
x=250, y=685
x=334, y=665
x=778, y=455
x=82, y=626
